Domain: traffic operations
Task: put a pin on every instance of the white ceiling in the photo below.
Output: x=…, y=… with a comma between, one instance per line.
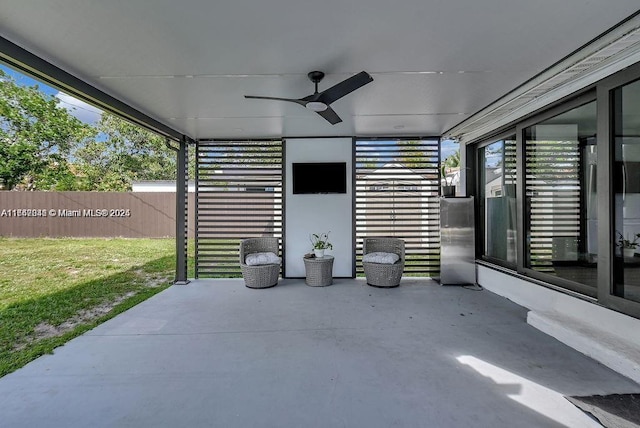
x=188, y=63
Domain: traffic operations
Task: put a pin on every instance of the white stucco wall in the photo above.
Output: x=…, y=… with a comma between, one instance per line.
x=306, y=214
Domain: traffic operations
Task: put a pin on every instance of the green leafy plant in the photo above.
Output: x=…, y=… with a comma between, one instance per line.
x=447, y=180
x=448, y=164
x=628, y=243
x=320, y=241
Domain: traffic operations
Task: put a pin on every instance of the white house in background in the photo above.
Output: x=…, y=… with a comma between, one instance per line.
x=158, y=186
x=452, y=177
x=382, y=184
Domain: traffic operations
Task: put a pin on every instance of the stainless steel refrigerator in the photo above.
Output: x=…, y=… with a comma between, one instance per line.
x=457, y=241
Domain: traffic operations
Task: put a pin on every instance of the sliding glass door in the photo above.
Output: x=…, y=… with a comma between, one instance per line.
x=626, y=183
x=561, y=198
x=497, y=200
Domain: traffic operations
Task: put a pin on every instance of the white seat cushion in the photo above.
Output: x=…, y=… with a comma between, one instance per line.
x=380, y=257
x=256, y=259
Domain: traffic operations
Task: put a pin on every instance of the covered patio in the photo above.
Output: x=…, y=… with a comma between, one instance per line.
x=345, y=355
x=214, y=353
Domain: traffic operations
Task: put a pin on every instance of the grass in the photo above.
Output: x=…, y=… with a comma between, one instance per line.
x=52, y=290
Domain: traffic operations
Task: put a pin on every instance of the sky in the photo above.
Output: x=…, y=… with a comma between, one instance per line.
x=448, y=147
x=81, y=110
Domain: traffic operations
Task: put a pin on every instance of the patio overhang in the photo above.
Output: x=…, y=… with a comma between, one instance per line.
x=617, y=49
x=184, y=69
x=30, y=64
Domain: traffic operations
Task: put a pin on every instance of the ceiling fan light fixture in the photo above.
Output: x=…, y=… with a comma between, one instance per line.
x=316, y=106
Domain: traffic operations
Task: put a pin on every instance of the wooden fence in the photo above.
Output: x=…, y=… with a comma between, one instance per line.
x=90, y=214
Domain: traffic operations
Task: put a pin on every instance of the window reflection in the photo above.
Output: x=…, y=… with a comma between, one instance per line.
x=560, y=195
x=498, y=200
x=626, y=179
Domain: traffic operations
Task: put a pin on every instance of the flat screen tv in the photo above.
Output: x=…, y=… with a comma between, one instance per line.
x=319, y=178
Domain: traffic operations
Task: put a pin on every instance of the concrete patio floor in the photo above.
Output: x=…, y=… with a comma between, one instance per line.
x=216, y=354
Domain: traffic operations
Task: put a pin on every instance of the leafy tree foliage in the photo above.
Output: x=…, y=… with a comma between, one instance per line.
x=36, y=136
x=415, y=158
x=449, y=164
x=44, y=147
x=453, y=161
x=412, y=155
x=122, y=153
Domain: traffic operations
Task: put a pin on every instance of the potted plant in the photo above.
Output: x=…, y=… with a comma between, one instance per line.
x=448, y=188
x=628, y=246
x=320, y=242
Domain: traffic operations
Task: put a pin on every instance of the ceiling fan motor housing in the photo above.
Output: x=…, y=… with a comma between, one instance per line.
x=316, y=76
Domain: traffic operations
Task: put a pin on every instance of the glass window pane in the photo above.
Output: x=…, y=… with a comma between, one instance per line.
x=560, y=196
x=498, y=200
x=626, y=179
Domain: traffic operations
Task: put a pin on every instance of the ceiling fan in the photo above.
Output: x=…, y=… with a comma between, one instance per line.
x=320, y=101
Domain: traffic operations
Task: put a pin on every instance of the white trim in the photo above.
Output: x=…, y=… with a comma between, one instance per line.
x=603, y=57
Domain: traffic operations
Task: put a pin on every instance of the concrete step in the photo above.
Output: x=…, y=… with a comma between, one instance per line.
x=616, y=352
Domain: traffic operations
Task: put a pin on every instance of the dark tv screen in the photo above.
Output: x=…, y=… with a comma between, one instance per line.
x=319, y=178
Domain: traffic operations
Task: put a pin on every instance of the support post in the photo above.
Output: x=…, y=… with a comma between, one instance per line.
x=182, y=201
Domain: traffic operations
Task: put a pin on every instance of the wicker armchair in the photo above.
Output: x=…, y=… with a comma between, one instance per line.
x=262, y=276
x=384, y=275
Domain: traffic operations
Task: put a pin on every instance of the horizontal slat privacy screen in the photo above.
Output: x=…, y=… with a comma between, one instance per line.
x=553, y=195
x=238, y=195
x=397, y=194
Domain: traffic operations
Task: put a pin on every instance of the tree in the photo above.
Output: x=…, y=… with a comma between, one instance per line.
x=36, y=135
x=413, y=155
x=450, y=163
x=122, y=153
x=453, y=160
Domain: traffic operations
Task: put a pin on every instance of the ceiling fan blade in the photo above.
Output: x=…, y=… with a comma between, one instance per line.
x=345, y=87
x=330, y=116
x=292, y=100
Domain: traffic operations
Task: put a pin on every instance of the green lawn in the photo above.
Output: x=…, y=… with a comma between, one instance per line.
x=52, y=290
